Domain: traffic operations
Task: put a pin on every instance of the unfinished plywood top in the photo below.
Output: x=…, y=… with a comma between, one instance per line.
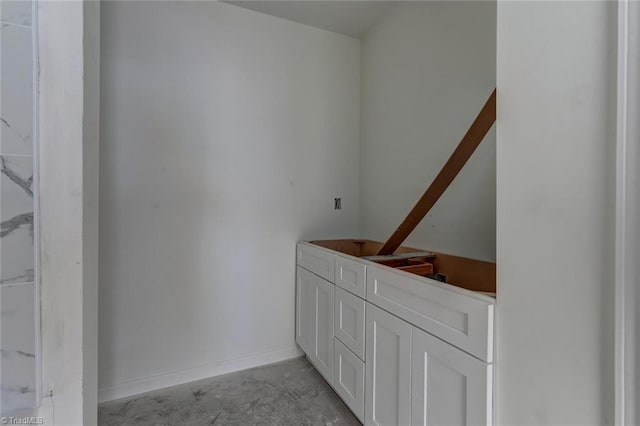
x=470, y=274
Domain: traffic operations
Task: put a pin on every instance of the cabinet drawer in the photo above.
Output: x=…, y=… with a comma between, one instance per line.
x=350, y=275
x=348, y=379
x=462, y=320
x=320, y=262
x=349, y=322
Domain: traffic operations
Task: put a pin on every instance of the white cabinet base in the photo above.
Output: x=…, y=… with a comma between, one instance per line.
x=398, y=349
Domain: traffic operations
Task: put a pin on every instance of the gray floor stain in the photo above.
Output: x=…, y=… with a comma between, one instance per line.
x=288, y=393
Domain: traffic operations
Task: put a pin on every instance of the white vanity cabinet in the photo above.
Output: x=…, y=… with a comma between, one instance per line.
x=398, y=348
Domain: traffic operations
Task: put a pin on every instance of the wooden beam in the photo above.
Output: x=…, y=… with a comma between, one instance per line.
x=456, y=162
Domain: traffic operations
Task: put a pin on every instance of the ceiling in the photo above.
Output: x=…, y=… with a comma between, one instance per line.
x=352, y=18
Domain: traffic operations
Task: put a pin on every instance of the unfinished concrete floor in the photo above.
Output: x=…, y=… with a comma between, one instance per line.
x=287, y=393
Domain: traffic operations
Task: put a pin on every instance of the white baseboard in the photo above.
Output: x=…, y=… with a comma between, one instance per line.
x=134, y=387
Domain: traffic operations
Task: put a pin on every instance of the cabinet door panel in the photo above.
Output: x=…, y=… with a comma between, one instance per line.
x=449, y=387
x=322, y=356
x=348, y=379
x=305, y=310
x=349, y=321
x=388, y=369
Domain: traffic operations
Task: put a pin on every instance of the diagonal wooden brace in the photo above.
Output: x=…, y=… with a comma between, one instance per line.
x=456, y=162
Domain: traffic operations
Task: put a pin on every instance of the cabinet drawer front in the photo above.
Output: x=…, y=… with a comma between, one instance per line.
x=348, y=379
x=459, y=319
x=320, y=262
x=350, y=275
x=349, y=321
x=449, y=386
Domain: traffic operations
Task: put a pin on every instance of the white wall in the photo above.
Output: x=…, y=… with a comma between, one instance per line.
x=555, y=150
x=225, y=136
x=628, y=218
x=68, y=156
x=427, y=70
x=91, y=207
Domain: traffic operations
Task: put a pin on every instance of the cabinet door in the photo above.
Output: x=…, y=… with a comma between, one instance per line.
x=388, y=369
x=305, y=310
x=349, y=321
x=449, y=386
x=348, y=379
x=322, y=345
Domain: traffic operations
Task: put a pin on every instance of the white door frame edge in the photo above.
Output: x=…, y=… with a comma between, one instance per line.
x=627, y=223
